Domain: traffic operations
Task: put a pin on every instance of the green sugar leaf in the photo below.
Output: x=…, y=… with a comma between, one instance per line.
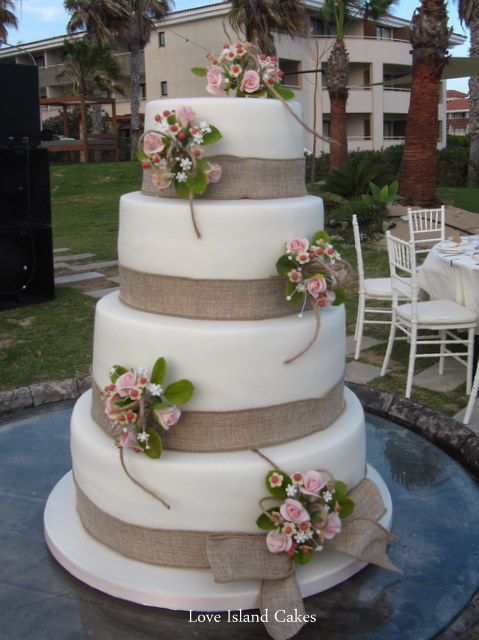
x=198, y=182
x=340, y=297
x=117, y=371
x=284, y=265
x=286, y=94
x=199, y=71
x=213, y=136
x=179, y=392
x=155, y=444
x=263, y=522
x=181, y=190
x=277, y=491
x=320, y=235
x=159, y=371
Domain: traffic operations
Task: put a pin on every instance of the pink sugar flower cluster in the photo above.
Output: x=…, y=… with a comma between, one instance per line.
x=314, y=271
x=242, y=69
x=313, y=505
x=137, y=404
x=173, y=152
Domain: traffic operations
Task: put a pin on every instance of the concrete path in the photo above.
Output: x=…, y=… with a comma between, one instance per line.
x=92, y=278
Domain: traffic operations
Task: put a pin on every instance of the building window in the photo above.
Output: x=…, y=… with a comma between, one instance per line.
x=161, y=39
x=326, y=128
x=39, y=60
x=142, y=90
x=164, y=88
x=290, y=68
x=384, y=33
x=317, y=27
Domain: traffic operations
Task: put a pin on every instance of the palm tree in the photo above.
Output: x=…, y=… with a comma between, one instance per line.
x=7, y=18
x=89, y=67
x=469, y=14
x=101, y=19
x=429, y=36
x=341, y=13
x=142, y=16
x=256, y=19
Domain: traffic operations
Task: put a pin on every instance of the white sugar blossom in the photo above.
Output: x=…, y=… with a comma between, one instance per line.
x=186, y=164
x=181, y=177
x=301, y=288
x=205, y=127
x=142, y=436
x=163, y=127
x=155, y=389
x=328, y=496
x=112, y=370
x=301, y=537
x=319, y=547
x=290, y=490
x=143, y=371
x=198, y=138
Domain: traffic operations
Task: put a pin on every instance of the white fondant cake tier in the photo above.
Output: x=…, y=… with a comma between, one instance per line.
x=206, y=491
x=251, y=128
x=233, y=365
x=241, y=239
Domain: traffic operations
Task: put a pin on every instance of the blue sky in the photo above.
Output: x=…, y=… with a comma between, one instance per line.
x=46, y=18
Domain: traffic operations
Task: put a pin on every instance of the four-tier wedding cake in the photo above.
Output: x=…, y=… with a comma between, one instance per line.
x=212, y=307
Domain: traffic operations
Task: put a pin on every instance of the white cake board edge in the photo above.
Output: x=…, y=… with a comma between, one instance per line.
x=178, y=589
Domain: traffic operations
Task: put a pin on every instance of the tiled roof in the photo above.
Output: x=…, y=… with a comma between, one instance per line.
x=456, y=105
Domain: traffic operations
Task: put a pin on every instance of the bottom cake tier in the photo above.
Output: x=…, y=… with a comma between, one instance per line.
x=206, y=491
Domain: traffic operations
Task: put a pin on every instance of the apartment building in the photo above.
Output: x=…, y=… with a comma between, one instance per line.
x=376, y=114
x=458, y=106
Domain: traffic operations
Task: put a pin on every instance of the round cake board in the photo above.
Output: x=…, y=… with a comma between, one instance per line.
x=179, y=589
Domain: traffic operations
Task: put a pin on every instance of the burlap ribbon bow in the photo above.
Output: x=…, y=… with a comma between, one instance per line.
x=234, y=557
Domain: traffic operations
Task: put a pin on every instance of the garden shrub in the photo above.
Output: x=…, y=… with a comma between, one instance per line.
x=451, y=165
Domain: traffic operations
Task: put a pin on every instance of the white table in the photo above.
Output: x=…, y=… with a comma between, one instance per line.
x=452, y=277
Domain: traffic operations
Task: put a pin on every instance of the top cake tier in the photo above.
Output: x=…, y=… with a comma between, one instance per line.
x=251, y=127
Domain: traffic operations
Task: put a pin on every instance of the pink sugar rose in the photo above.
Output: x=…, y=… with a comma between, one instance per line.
x=333, y=526
x=278, y=542
x=214, y=173
x=251, y=81
x=293, y=511
x=296, y=245
x=326, y=299
x=111, y=410
x=152, y=143
x=216, y=81
x=317, y=285
x=168, y=416
x=127, y=439
x=161, y=178
x=185, y=116
x=124, y=383
x=313, y=483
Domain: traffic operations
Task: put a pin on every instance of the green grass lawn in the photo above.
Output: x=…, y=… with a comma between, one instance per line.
x=460, y=197
x=53, y=341
x=85, y=204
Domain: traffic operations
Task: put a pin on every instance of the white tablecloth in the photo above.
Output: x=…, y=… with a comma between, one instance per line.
x=453, y=277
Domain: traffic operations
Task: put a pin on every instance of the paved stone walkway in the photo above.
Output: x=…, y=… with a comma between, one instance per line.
x=95, y=278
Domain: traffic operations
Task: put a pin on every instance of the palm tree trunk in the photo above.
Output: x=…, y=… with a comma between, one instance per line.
x=135, y=76
x=96, y=109
x=417, y=178
x=338, y=148
x=473, y=168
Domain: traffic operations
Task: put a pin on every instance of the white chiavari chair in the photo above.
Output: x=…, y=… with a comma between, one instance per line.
x=441, y=316
x=426, y=227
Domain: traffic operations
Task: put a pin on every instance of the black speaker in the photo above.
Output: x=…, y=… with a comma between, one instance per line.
x=19, y=105
x=24, y=189
x=26, y=250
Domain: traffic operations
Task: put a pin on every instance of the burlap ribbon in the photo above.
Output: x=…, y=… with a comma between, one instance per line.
x=204, y=299
x=234, y=556
x=254, y=178
x=213, y=431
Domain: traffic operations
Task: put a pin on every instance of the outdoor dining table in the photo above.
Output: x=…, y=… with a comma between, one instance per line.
x=454, y=276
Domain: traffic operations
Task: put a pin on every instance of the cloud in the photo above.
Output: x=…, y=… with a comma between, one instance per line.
x=46, y=11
